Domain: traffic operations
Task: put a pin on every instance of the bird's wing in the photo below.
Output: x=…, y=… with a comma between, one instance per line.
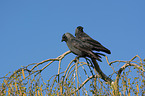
x=79, y=44
x=85, y=48
x=96, y=45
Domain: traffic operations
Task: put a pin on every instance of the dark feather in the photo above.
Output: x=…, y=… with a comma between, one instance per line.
x=79, y=48
x=80, y=34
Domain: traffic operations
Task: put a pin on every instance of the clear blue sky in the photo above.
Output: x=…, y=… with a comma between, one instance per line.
x=31, y=30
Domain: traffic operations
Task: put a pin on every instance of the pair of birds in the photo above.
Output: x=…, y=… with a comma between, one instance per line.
x=83, y=45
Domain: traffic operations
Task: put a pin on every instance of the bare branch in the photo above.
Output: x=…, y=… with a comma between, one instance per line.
x=94, y=76
x=57, y=59
x=123, y=68
x=101, y=74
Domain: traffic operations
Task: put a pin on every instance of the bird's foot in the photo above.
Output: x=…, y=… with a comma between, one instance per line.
x=76, y=59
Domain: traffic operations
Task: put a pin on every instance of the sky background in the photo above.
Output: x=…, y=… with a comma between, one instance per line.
x=31, y=30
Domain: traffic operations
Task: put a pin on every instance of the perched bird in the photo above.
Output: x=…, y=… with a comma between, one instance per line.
x=81, y=49
x=93, y=45
x=81, y=35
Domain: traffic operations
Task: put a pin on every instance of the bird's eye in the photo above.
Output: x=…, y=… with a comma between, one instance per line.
x=64, y=37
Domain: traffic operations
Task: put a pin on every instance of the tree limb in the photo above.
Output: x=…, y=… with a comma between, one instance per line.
x=101, y=74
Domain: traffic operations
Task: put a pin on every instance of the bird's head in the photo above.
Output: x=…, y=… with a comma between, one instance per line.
x=80, y=28
x=78, y=31
x=66, y=36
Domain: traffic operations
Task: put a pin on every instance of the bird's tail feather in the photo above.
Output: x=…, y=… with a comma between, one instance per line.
x=102, y=49
x=98, y=57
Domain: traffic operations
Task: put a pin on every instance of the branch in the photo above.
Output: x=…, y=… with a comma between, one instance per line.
x=56, y=59
x=101, y=74
x=123, y=68
x=93, y=76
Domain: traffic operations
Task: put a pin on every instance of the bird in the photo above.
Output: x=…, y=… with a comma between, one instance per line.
x=79, y=48
x=81, y=35
x=97, y=46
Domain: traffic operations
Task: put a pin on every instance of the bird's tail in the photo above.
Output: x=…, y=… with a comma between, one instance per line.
x=101, y=74
x=100, y=54
x=98, y=57
x=95, y=56
x=106, y=50
x=103, y=49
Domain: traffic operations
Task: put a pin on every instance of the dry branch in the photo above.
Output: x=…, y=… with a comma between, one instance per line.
x=70, y=75
x=101, y=74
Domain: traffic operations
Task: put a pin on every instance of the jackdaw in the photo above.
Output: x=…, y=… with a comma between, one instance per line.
x=79, y=48
x=81, y=35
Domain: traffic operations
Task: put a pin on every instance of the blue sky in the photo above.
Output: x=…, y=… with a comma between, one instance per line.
x=31, y=30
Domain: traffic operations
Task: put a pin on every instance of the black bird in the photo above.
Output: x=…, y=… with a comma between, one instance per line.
x=79, y=48
x=81, y=35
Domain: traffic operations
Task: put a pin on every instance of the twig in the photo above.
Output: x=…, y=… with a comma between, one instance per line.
x=93, y=76
x=57, y=59
x=120, y=71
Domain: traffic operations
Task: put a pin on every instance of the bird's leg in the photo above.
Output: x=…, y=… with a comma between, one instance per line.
x=76, y=58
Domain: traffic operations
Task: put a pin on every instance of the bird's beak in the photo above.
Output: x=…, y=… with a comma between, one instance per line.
x=62, y=40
